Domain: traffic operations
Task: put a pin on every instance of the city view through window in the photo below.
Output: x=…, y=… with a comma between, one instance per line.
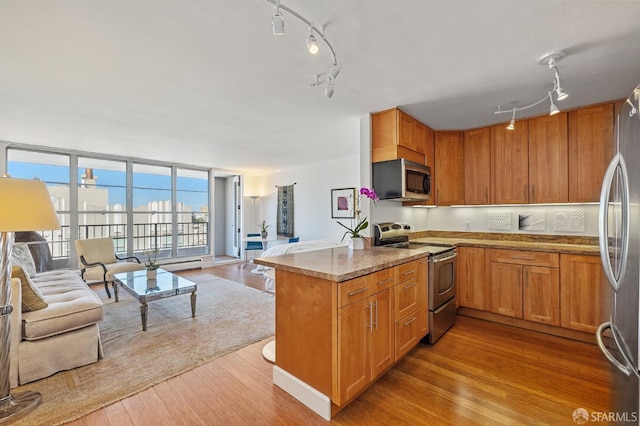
x=169, y=205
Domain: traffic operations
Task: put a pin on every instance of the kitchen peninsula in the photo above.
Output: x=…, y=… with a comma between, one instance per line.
x=343, y=318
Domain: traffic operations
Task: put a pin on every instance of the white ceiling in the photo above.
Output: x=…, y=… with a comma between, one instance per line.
x=204, y=82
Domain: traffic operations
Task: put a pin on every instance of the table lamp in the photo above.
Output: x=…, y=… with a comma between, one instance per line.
x=25, y=205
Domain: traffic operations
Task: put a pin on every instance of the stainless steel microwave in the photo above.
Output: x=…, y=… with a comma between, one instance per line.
x=401, y=180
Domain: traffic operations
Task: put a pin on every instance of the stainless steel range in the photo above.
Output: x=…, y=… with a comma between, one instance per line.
x=441, y=274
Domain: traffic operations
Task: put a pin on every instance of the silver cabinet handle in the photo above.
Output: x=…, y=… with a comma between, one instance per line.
x=409, y=285
x=353, y=293
x=523, y=258
x=626, y=369
x=385, y=281
x=370, y=325
x=409, y=272
x=411, y=320
x=376, y=314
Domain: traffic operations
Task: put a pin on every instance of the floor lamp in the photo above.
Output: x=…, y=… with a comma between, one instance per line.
x=26, y=206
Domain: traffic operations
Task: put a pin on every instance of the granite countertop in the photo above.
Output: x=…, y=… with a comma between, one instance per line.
x=341, y=264
x=580, y=249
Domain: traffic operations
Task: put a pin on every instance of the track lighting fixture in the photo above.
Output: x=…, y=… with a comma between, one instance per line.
x=277, y=24
x=312, y=44
x=549, y=60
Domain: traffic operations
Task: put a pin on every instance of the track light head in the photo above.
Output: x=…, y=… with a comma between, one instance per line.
x=561, y=95
x=277, y=23
x=328, y=91
x=312, y=44
x=512, y=123
x=553, y=109
x=334, y=71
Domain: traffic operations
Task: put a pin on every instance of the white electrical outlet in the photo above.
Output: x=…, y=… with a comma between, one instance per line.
x=467, y=226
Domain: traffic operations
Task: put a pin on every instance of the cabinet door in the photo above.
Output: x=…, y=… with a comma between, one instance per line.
x=449, y=168
x=584, y=293
x=382, y=342
x=541, y=294
x=472, y=278
x=590, y=150
x=407, y=334
x=506, y=289
x=405, y=127
x=423, y=297
x=477, y=165
x=354, y=369
x=510, y=164
x=548, y=159
x=419, y=136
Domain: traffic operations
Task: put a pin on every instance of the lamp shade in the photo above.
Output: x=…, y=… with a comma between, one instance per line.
x=26, y=206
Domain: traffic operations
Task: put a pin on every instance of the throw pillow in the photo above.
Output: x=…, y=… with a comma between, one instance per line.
x=32, y=299
x=21, y=256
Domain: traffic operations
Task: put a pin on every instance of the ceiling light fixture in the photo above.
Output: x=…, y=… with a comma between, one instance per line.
x=277, y=23
x=312, y=44
x=549, y=60
x=553, y=109
x=512, y=123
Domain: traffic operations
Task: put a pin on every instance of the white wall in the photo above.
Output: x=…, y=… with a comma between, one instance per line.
x=312, y=196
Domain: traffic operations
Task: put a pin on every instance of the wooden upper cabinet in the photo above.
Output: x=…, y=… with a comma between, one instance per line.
x=477, y=166
x=590, y=151
x=510, y=164
x=395, y=134
x=418, y=136
x=449, y=168
x=548, y=159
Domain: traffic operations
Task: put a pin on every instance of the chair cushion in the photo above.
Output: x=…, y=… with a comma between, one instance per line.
x=72, y=305
x=21, y=256
x=96, y=274
x=32, y=299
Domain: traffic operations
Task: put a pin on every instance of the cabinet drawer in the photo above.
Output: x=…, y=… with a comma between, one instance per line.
x=352, y=290
x=407, y=333
x=382, y=280
x=407, y=271
x=406, y=297
x=521, y=257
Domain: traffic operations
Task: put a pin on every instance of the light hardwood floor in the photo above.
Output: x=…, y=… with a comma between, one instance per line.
x=478, y=373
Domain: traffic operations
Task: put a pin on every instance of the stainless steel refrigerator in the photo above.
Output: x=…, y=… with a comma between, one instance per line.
x=619, y=237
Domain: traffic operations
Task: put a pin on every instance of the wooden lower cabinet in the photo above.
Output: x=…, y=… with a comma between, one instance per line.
x=584, y=293
x=472, y=278
x=526, y=285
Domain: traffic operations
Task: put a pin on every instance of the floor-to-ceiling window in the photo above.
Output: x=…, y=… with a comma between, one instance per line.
x=141, y=206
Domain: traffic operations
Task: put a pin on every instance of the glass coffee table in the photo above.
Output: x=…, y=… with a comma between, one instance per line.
x=145, y=290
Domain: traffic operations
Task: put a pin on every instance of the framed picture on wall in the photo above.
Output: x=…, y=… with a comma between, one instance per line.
x=342, y=203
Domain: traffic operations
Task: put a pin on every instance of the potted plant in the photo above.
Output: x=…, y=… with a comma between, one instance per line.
x=357, y=241
x=263, y=229
x=150, y=264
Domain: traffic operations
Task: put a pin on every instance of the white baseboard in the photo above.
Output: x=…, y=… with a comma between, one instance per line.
x=316, y=401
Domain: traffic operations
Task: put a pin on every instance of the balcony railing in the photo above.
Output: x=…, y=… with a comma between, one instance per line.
x=146, y=236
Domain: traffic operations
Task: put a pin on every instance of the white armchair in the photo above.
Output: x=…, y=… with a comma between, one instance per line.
x=99, y=261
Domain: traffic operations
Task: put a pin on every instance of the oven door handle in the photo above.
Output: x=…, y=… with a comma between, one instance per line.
x=443, y=259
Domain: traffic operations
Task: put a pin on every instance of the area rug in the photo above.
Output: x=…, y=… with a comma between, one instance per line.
x=228, y=316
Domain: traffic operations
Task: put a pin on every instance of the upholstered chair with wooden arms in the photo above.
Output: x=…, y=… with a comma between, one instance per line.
x=99, y=262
